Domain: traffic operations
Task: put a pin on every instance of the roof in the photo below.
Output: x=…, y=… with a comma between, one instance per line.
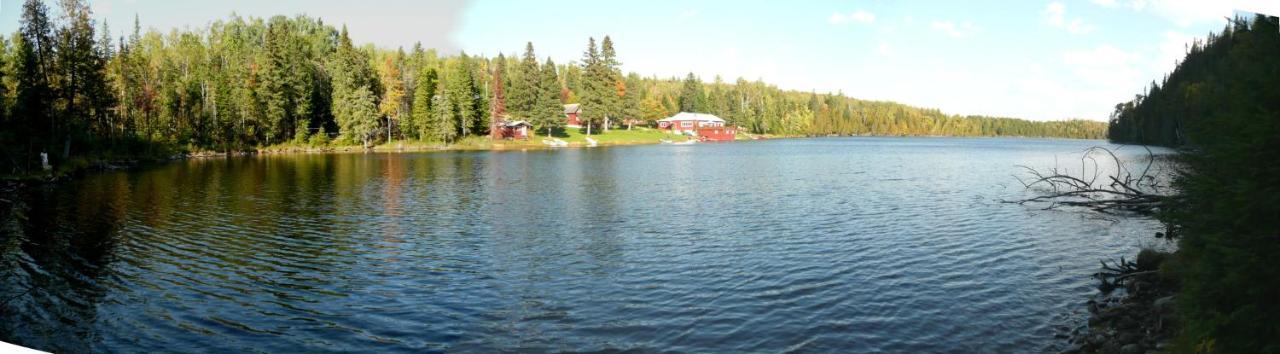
x=571, y=108
x=700, y=117
x=516, y=123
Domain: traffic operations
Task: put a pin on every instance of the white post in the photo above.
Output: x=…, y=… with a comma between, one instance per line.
x=44, y=161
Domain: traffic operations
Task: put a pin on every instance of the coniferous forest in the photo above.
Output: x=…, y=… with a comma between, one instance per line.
x=71, y=89
x=1221, y=108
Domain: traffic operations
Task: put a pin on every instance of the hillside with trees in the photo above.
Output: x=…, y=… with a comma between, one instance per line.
x=69, y=89
x=1221, y=108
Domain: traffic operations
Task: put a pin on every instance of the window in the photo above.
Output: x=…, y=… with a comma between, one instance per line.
x=686, y=124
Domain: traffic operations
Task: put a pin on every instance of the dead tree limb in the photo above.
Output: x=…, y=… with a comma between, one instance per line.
x=1121, y=191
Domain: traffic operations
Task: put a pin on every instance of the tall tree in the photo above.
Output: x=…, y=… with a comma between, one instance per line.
x=466, y=96
x=498, y=99
x=392, y=93
x=613, y=86
x=692, y=98
x=422, y=100
x=444, y=116
x=362, y=115
x=525, y=89
x=355, y=88
x=548, y=112
x=595, y=93
x=35, y=92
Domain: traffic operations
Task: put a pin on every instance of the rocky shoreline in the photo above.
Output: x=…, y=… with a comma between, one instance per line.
x=1134, y=315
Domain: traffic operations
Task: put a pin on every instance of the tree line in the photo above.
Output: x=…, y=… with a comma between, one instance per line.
x=70, y=89
x=1221, y=108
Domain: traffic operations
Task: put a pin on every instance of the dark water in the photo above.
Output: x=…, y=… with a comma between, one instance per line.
x=826, y=245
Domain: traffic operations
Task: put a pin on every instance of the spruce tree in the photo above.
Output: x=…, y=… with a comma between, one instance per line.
x=444, y=116
x=550, y=112
x=423, y=123
x=613, y=87
x=594, y=103
x=692, y=98
x=525, y=87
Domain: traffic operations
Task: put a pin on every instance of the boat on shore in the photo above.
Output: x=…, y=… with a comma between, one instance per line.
x=686, y=142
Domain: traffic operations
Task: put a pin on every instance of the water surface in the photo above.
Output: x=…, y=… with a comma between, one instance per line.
x=841, y=244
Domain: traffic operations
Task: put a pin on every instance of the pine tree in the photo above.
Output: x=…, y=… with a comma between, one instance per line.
x=35, y=94
x=465, y=95
x=549, y=113
x=444, y=116
x=362, y=115
x=692, y=98
x=422, y=100
x=355, y=91
x=595, y=100
x=613, y=87
x=525, y=86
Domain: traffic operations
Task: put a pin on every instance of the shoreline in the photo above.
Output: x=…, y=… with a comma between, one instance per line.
x=1140, y=319
x=130, y=162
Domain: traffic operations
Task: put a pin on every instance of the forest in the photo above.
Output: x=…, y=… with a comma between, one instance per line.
x=69, y=89
x=1221, y=108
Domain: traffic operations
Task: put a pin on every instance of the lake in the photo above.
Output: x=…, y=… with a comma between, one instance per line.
x=812, y=245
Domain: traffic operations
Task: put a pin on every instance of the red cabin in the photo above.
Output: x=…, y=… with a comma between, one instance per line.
x=515, y=130
x=705, y=127
x=571, y=115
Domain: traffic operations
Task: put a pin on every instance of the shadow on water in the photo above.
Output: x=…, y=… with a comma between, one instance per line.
x=55, y=250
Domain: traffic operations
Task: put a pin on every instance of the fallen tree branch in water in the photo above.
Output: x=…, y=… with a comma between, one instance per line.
x=1126, y=192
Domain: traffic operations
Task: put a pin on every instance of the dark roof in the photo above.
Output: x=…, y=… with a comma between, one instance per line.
x=571, y=108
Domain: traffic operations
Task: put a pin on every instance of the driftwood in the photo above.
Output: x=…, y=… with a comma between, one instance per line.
x=1123, y=192
x=1118, y=273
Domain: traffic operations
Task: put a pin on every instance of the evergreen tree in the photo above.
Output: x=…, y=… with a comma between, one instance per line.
x=354, y=90
x=422, y=101
x=444, y=116
x=35, y=92
x=595, y=101
x=549, y=112
x=691, y=95
x=361, y=114
x=612, y=84
x=465, y=96
x=525, y=88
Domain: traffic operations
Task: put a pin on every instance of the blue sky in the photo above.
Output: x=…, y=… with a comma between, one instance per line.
x=1039, y=59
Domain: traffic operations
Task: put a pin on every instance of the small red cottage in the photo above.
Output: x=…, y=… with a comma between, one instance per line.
x=571, y=115
x=705, y=127
x=515, y=130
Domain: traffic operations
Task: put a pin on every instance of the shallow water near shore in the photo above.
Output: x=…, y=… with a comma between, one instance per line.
x=830, y=244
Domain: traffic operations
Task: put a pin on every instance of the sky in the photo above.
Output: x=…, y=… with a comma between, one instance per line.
x=1033, y=59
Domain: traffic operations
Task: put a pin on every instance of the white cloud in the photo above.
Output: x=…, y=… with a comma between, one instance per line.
x=1056, y=15
x=1189, y=12
x=688, y=13
x=859, y=16
x=953, y=30
x=884, y=49
x=1185, y=13
x=1106, y=72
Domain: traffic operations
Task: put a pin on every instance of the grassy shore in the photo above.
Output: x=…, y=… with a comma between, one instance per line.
x=138, y=155
x=573, y=136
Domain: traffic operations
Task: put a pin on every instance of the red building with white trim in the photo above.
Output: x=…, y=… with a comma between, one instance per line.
x=705, y=127
x=571, y=115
